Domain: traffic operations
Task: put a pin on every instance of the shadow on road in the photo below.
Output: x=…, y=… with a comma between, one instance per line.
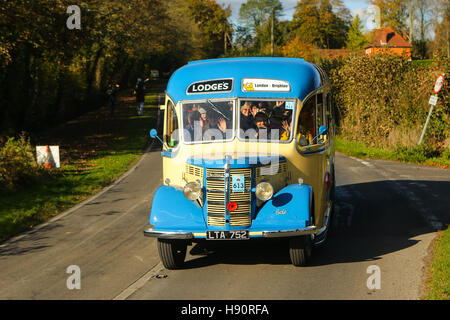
x=372, y=219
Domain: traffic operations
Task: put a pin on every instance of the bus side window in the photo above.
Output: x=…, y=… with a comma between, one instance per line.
x=171, y=137
x=329, y=112
x=320, y=118
x=306, y=124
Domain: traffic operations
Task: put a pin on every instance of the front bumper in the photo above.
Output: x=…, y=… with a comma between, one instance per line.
x=150, y=232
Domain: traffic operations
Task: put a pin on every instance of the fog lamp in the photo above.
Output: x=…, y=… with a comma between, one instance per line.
x=192, y=190
x=264, y=191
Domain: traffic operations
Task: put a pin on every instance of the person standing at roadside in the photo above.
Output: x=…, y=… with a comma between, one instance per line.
x=140, y=96
x=111, y=92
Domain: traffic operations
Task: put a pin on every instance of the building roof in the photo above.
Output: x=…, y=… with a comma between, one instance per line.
x=303, y=77
x=386, y=36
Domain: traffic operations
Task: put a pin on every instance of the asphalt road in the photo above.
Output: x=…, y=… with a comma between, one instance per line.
x=387, y=215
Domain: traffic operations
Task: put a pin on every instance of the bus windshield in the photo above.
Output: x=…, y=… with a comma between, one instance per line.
x=266, y=120
x=207, y=121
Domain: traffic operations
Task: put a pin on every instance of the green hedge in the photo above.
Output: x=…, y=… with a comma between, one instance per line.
x=383, y=102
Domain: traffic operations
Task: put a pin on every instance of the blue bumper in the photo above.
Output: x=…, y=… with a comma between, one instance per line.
x=286, y=214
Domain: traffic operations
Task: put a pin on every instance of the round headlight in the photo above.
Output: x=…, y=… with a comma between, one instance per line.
x=264, y=191
x=192, y=190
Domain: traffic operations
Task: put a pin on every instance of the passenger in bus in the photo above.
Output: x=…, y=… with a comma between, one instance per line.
x=262, y=129
x=204, y=119
x=286, y=132
x=279, y=108
x=254, y=110
x=218, y=128
x=306, y=125
x=246, y=121
x=262, y=107
x=194, y=119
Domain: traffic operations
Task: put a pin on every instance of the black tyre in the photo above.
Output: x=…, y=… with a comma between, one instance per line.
x=172, y=253
x=300, y=249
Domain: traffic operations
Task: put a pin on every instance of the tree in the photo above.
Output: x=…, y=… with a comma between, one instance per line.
x=256, y=17
x=254, y=13
x=441, y=24
x=356, y=40
x=298, y=48
x=49, y=74
x=212, y=20
x=324, y=23
x=393, y=13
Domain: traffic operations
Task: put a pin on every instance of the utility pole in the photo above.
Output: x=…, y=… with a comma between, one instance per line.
x=225, y=42
x=227, y=39
x=271, y=38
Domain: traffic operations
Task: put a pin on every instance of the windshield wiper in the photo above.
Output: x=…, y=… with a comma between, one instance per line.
x=217, y=110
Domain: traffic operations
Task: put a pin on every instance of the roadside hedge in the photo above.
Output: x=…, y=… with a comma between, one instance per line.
x=383, y=101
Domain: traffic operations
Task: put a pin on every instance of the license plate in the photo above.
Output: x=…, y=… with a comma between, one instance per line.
x=238, y=183
x=228, y=235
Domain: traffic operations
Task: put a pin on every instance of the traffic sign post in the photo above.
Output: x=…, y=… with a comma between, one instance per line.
x=433, y=100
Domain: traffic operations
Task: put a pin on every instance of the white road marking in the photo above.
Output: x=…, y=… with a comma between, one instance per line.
x=367, y=164
x=139, y=283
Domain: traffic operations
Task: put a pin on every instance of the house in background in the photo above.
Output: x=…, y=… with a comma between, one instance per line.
x=387, y=40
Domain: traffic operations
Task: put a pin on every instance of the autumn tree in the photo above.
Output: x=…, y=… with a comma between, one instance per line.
x=49, y=73
x=298, y=48
x=212, y=20
x=324, y=23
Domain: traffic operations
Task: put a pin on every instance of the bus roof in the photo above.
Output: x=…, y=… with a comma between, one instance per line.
x=291, y=78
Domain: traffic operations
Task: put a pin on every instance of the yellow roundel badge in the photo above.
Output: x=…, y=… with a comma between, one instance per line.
x=248, y=86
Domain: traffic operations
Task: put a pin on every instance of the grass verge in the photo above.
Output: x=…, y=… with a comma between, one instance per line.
x=418, y=154
x=438, y=282
x=95, y=149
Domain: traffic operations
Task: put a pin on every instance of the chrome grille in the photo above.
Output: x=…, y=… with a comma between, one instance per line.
x=270, y=171
x=217, y=200
x=216, y=221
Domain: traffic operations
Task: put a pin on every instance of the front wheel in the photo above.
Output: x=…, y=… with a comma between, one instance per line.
x=172, y=253
x=300, y=250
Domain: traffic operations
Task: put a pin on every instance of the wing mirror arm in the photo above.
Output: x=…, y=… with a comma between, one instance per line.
x=154, y=134
x=322, y=130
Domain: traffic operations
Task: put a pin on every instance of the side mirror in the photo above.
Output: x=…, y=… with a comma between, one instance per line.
x=154, y=134
x=323, y=130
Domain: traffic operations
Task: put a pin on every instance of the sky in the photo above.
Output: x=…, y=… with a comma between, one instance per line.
x=359, y=7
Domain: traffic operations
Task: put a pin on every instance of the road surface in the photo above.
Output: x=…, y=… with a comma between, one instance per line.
x=387, y=216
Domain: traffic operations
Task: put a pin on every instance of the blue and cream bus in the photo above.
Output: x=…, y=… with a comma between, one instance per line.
x=248, y=152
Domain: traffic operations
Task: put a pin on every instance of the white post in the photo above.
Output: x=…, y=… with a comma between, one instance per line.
x=426, y=124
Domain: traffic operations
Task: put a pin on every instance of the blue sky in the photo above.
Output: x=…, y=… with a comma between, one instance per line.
x=355, y=6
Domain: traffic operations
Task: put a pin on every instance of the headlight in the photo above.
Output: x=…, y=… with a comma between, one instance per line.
x=192, y=190
x=264, y=191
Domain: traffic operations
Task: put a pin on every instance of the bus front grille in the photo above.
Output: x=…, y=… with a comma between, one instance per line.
x=216, y=198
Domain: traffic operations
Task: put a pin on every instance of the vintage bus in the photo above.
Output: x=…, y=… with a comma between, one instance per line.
x=248, y=152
